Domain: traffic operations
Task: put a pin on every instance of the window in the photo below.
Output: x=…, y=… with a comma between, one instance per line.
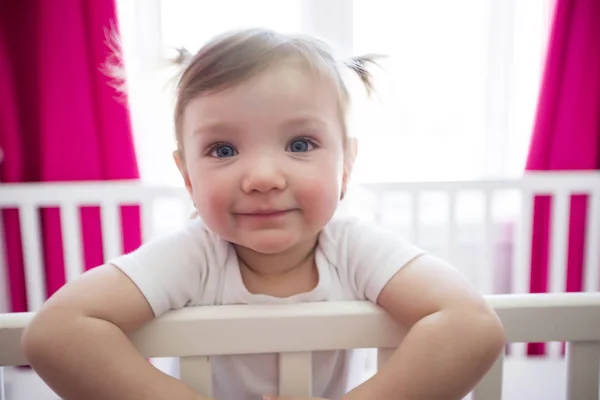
x=190, y=23
x=455, y=100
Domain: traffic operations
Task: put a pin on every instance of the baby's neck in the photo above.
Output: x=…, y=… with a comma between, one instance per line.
x=271, y=265
x=279, y=275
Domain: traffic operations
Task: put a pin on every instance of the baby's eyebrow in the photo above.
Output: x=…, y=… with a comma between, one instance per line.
x=215, y=128
x=304, y=121
x=220, y=128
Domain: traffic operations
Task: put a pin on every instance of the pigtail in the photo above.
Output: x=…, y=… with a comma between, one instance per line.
x=180, y=61
x=360, y=65
x=113, y=67
x=182, y=58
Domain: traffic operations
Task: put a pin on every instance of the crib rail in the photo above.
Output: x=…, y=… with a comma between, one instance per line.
x=195, y=334
x=83, y=193
x=28, y=198
x=109, y=196
x=560, y=186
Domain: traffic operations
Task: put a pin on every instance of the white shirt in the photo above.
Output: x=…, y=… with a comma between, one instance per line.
x=195, y=267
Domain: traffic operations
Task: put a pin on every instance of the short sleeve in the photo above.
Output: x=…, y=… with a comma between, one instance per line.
x=373, y=255
x=168, y=270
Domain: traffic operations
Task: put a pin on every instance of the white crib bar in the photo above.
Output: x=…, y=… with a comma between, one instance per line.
x=522, y=255
x=522, y=243
x=559, y=241
x=582, y=370
x=301, y=328
x=71, y=234
x=32, y=256
x=196, y=372
x=486, y=272
x=490, y=387
x=591, y=271
x=147, y=219
x=111, y=229
x=295, y=374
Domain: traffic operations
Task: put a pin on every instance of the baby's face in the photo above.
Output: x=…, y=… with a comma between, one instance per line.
x=264, y=159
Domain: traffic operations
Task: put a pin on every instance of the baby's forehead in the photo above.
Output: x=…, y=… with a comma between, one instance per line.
x=279, y=87
x=255, y=111
x=295, y=74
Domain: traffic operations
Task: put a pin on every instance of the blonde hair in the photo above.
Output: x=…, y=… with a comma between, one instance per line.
x=236, y=56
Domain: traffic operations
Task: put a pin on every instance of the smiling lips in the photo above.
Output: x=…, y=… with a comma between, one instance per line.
x=264, y=213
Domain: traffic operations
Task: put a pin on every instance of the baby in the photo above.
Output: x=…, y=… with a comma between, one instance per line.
x=263, y=149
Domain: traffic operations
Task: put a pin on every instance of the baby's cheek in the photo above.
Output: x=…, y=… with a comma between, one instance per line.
x=212, y=204
x=319, y=197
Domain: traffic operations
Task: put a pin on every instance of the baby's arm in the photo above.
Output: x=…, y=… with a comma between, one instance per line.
x=78, y=342
x=453, y=340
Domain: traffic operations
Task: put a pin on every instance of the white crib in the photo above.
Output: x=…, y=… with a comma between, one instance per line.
x=196, y=333
x=298, y=329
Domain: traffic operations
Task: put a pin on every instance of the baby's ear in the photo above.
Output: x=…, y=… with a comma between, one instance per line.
x=349, y=158
x=180, y=162
x=353, y=147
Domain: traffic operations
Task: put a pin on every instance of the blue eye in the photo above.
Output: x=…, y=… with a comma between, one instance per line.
x=300, y=146
x=223, y=151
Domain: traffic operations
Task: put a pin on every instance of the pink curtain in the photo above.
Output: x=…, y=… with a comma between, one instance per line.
x=60, y=120
x=566, y=135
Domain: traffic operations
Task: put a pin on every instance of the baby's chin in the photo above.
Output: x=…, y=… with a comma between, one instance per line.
x=270, y=242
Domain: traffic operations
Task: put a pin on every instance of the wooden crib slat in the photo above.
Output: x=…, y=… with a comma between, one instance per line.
x=295, y=374
x=196, y=372
x=383, y=355
x=592, y=238
x=559, y=241
x=486, y=277
x=522, y=243
x=582, y=370
x=522, y=255
x=111, y=230
x=490, y=387
x=32, y=256
x=71, y=233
